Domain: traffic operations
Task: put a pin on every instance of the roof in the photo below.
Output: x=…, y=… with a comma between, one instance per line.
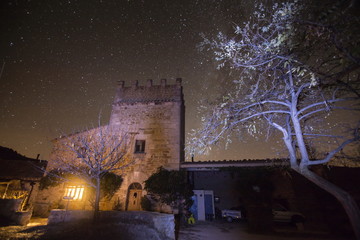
x=8, y=153
x=17, y=167
x=30, y=170
x=215, y=165
x=149, y=93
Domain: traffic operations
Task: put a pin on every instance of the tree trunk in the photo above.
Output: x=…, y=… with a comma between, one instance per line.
x=346, y=200
x=97, y=200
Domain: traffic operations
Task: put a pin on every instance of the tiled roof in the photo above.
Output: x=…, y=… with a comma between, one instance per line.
x=14, y=166
x=8, y=153
x=31, y=170
x=213, y=164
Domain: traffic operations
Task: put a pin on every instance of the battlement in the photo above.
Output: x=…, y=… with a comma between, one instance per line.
x=149, y=93
x=149, y=83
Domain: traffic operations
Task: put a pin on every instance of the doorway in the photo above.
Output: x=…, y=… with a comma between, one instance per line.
x=134, y=197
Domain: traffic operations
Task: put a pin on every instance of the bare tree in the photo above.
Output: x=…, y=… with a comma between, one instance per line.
x=297, y=67
x=91, y=154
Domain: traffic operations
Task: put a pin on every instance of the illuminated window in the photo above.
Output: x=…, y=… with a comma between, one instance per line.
x=74, y=192
x=140, y=146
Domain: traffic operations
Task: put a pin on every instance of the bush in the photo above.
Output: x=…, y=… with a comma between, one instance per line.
x=146, y=203
x=170, y=186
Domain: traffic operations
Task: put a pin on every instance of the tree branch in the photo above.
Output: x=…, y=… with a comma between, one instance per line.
x=333, y=152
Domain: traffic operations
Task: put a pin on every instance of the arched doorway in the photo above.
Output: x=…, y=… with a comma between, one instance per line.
x=134, y=197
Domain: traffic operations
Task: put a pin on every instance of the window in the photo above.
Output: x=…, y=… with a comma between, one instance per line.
x=140, y=146
x=74, y=192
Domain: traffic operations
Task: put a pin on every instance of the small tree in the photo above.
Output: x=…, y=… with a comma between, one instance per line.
x=89, y=156
x=296, y=67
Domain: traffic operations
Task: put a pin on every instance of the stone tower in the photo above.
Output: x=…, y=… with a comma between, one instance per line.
x=155, y=115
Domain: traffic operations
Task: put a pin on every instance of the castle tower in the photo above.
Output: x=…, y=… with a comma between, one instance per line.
x=155, y=115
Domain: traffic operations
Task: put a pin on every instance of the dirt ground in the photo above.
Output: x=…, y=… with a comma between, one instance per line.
x=216, y=230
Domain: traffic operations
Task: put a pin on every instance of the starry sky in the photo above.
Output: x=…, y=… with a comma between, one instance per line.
x=60, y=61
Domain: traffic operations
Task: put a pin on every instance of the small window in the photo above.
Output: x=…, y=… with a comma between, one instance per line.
x=139, y=146
x=74, y=192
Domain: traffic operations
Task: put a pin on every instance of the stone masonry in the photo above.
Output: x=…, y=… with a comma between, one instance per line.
x=154, y=114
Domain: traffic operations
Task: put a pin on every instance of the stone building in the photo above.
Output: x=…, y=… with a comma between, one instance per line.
x=155, y=113
x=154, y=116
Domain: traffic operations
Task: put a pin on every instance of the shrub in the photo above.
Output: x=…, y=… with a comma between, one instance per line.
x=146, y=203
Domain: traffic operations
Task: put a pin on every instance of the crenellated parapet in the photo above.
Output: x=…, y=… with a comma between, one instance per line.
x=148, y=93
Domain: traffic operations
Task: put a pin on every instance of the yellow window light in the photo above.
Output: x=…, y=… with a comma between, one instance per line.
x=74, y=192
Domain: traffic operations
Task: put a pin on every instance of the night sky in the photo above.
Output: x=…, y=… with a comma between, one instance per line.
x=61, y=59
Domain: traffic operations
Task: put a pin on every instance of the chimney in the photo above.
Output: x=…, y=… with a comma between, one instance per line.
x=135, y=84
x=163, y=82
x=178, y=81
x=121, y=84
x=149, y=83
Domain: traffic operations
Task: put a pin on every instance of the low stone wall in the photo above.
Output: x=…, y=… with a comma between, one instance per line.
x=8, y=206
x=10, y=214
x=159, y=224
x=22, y=218
x=61, y=215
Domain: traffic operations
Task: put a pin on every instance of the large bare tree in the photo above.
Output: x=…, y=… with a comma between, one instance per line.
x=89, y=155
x=297, y=66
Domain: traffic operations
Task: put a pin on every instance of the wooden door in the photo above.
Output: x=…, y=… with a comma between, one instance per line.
x=134, y=200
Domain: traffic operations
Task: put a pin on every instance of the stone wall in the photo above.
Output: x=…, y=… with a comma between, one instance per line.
x=158, y=125
x=10, y=213
x=138, y=223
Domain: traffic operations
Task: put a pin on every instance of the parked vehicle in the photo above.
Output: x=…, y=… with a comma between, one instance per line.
x=280, y=213
x=232, y=214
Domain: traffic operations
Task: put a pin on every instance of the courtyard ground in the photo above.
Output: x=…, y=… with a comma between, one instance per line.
x=215, y=230
x=238, y=230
